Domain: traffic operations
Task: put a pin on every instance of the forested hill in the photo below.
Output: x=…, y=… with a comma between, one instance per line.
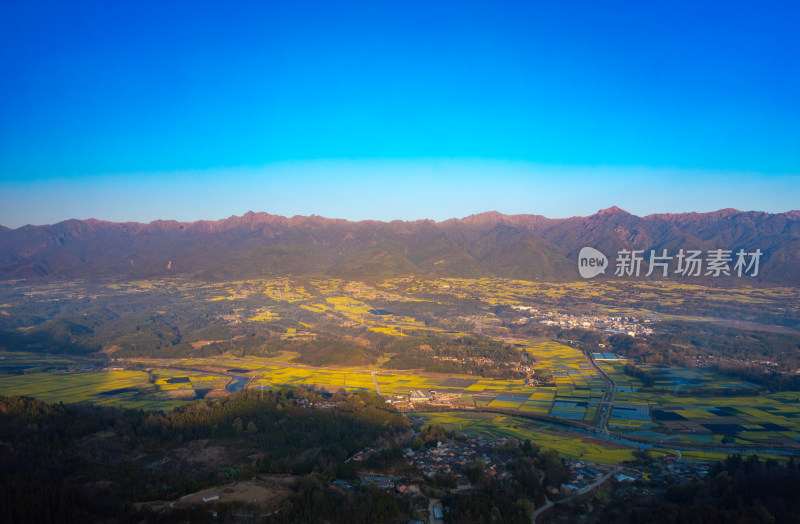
x=489, y=244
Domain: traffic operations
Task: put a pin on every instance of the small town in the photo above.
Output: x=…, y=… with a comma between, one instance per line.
x=631, y=326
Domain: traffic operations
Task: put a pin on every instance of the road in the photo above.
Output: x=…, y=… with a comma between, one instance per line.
x=375, y=381
x=431, y=504
x=581, y=492
x=606, y=405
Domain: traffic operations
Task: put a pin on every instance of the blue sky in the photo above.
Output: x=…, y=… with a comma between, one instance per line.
x=143, y=110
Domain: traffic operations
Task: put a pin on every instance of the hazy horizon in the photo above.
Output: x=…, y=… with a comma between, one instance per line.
x=487, y=211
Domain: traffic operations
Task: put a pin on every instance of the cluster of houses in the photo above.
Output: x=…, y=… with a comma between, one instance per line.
x=712, y=360
x=477, y=360
x=629, y=325
x=449, y=458
x=680, y=471
x=452, y=457
x=428, y=398
x=581, y=475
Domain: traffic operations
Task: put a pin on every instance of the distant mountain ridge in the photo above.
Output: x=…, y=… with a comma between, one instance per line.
x=486, y=244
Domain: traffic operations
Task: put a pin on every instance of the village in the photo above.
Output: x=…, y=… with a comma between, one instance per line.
x=457, y=464
x=431, y=399
x=631, y=326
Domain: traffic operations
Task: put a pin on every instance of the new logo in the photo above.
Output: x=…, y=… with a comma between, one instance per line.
x=591, y=262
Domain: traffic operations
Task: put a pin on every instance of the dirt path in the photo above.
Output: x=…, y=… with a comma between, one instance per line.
x=271, y=492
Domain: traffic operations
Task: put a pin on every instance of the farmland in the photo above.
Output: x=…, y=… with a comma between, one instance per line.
x=122, y=388
x=492, y=426
x=662, y=416
x=157, y=344
x=669, y=410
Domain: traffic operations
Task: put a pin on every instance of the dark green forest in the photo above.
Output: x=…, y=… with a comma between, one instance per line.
x=738, y=490
x=80, y=463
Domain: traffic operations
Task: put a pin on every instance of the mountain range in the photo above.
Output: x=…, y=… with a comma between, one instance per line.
x=530, y=247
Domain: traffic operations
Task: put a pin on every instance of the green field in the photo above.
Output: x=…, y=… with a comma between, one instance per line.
x=681, y=405
x=123, y=388
x=492, y=426
x=763, y=419
x=578, y=388
x=749, y=419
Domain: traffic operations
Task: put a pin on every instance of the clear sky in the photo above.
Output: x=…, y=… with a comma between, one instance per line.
x=395, y=110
